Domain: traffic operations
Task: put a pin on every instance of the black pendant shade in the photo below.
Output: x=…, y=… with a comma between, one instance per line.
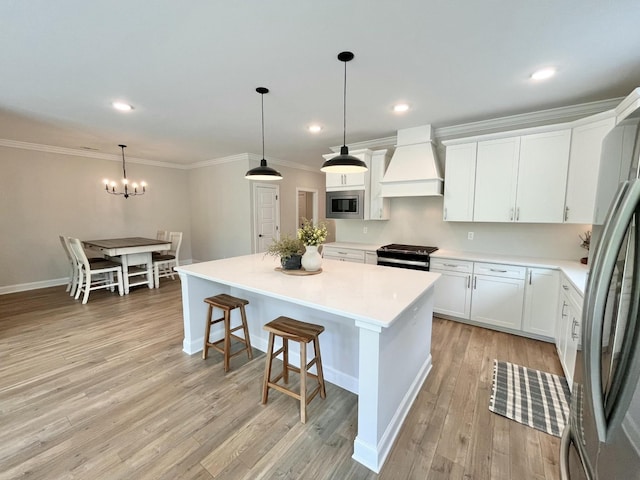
x=263, y=172
x=344, y=163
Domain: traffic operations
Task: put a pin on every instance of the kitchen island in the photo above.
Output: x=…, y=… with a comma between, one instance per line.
x=377, y=338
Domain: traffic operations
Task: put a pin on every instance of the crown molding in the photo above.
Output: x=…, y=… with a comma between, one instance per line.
x=524, y=120
x=245, y=157
x=85, y=153
x=375, y=144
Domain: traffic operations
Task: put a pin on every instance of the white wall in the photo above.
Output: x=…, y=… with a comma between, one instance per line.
x=418, y=221
x=43, y=195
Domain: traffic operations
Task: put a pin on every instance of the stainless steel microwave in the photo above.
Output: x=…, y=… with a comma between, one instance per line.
x=345, y=204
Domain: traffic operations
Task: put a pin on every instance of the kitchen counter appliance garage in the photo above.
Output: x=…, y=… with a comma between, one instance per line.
x=414, y=257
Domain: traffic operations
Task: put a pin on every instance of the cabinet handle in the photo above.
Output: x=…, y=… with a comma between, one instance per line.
x=518, y=214
x=445, y=213
x=496, y=270
x=566, y=213
x=565, y=287
x=511, y=214
x=452, y=265
x=574, y=335
x=562, y=314
x=468, y=281
x=475, y=283
x=530, y=273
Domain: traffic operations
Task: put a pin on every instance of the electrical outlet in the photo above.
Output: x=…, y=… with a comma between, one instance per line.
x=364, y=229
x=470, y=236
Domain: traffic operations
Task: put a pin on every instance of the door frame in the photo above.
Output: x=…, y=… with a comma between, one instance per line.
x=254, y=226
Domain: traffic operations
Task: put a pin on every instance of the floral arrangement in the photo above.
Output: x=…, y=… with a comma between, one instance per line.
x=311, y=234
x=285, y=248
x=586, y=239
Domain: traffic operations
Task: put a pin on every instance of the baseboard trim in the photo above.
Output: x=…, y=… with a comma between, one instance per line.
x=23, y=287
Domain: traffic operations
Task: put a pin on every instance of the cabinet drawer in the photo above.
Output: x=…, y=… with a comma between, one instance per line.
x=461, y=266
x=499, y=270
x=572, y=293
x=346, y=254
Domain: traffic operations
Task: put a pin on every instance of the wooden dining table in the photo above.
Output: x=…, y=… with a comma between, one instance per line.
x=134, y=253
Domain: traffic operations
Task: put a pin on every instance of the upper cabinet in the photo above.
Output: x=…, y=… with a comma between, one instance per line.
x=459, y=189
x=584, y=166
x=542, y=175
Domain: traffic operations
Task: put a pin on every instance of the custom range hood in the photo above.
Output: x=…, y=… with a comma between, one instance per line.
x=413, y=170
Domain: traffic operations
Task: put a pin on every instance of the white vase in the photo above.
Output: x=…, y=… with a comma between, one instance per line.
x=311, y=259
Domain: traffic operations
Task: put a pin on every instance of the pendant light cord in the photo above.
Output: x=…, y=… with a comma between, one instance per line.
x=344, y=103
x=124, y=171
x=262, y=108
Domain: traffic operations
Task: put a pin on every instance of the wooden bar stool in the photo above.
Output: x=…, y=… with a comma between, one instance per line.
x=226, y=303
x=294, y=330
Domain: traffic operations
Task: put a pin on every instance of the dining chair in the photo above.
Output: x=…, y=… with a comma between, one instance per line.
x=164, y=264
x=96, y=275
x=164, y=236
x=72, y=285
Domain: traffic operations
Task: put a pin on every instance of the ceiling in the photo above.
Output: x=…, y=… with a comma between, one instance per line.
x=190, y=69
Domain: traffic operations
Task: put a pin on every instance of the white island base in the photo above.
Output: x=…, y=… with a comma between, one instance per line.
x=377, y=338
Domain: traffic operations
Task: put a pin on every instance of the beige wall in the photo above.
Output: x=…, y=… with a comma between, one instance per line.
x=222, y=206
x=418, y=221
x=45, y=194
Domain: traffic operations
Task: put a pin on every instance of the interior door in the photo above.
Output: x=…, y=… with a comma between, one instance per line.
x=266, y=215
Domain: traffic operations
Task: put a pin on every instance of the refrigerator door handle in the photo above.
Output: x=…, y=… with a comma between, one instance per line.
x=614, y=231
x=565, y=444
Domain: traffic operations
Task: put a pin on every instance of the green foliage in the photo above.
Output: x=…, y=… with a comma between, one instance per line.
x=285, y=247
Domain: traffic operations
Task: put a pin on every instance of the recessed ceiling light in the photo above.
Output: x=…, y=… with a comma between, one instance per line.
x=122, y=106
x=400, y=107
x=315, y=128
x=543, y=73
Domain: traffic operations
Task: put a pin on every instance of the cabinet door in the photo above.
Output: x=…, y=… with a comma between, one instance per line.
x=376, y=207
x=496, y=176
x=371, y=258
x=542, y=177
x=584, y=165
x=452, y=294
x=459, y=183
x=343, y=254
x=497, y=301
x=540, y=303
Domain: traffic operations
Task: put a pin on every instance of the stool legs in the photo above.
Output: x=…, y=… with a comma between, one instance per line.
x=227, y=339
x=228, y=333
x=303, y=382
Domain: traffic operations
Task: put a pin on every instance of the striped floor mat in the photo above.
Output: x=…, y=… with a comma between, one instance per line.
x=531, y=397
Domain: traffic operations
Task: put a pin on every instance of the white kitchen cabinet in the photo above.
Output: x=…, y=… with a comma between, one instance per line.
x=343, y=254
x=371, y=257
x=498, y=295
x=496, y=177
x=584, y=166
x=540, y=302
x=376, y=207
x=348, y=181
x=452, y=292
x=569, y=326
x=542, y=177
x=460, y=179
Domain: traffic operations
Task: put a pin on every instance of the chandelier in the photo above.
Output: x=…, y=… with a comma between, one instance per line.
x=110, y=186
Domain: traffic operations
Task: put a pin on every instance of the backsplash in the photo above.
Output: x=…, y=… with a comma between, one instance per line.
x=418, y=220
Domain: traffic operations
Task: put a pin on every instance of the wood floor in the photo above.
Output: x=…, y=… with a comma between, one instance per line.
x=104, y=391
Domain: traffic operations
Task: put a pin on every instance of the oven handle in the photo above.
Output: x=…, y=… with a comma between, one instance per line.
x=417, y=263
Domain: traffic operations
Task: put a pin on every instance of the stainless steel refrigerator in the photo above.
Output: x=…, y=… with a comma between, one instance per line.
x=602, y=438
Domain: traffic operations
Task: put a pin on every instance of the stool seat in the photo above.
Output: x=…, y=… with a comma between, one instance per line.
x=303, y=333
x=226, y=303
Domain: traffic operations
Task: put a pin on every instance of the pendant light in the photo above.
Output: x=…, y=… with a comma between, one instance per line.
x=263, y=172
x=344, y=163
x=110, y=187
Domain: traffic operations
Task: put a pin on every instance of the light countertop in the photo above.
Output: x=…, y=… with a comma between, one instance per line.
x=367, y=247
x=576, y=272
x=367, y=293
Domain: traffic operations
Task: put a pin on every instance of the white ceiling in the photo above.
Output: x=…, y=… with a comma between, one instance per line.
x=190, y=68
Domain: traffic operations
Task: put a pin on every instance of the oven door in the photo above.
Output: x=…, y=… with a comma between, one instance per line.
x=402, y=263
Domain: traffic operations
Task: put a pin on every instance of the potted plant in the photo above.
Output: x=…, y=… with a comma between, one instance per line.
x=312, y=236
x=289, y=250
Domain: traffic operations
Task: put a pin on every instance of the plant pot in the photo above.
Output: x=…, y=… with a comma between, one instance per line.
x=311, y=260
x=291, y=263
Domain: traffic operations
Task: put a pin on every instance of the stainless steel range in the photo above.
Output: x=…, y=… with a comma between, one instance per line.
x=415, y=257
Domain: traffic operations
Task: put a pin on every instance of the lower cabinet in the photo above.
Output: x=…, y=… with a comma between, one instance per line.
x=452, y=292
x=540, y=306
x=514, y=298
x=498, y=295
x=344, y=254
x=568, y=327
